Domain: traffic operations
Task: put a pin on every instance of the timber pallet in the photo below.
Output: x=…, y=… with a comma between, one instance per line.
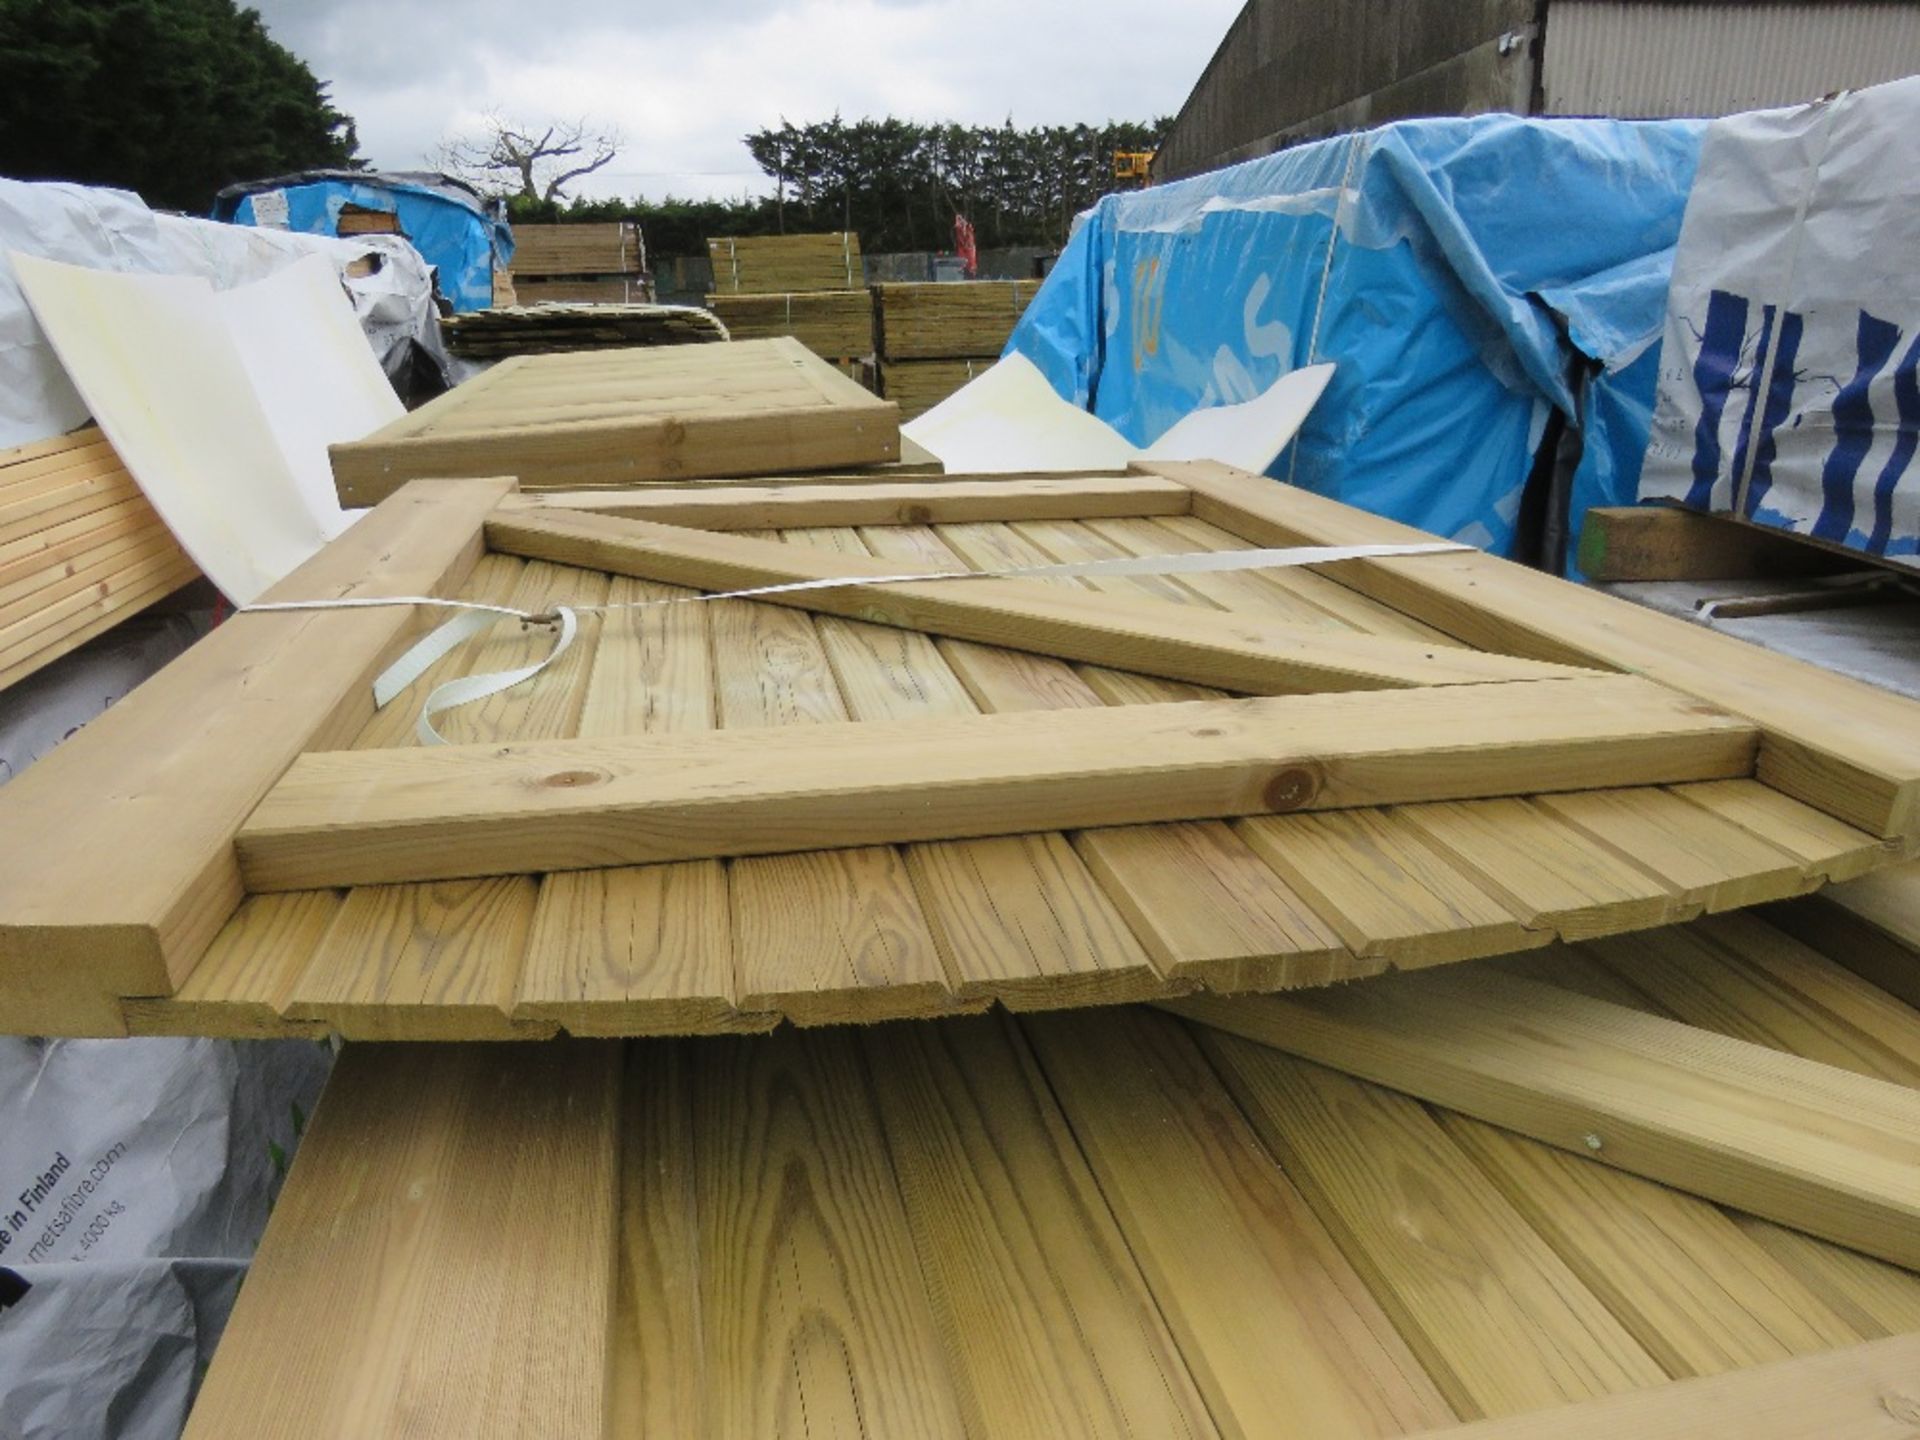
x=909, y=800
x=1430, y=1205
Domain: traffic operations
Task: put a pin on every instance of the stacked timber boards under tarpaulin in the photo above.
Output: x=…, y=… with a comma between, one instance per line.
x=619, y=417
x=909, y=800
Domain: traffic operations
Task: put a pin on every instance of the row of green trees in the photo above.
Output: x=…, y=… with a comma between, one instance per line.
x=897, y=183
x=177, y=98
x=171, y=98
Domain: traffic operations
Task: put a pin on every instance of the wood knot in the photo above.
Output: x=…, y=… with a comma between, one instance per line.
x=574, y=779
x=1903, y=1407
x=1291, y=789
x=917, y=515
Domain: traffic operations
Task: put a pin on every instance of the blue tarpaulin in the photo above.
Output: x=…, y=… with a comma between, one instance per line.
x=1468, y=277
x=446, y=220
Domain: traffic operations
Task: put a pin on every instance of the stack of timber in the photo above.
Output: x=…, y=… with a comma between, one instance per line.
x=357, y=220
x=580, y=264
x=1662, y=542
x=967, y=320
x=836, y=325
x=781, y=264
x=916, y=386
x=552, y=329
x=1659, y=1189
x=854, y=802
x=80, y=550
x=622, y=417
x=935, y=338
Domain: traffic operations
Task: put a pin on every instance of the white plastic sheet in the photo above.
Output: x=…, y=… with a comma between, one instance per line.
x=1788, y=390
x=391, y=287
x=221, y=404
x=1010, y=419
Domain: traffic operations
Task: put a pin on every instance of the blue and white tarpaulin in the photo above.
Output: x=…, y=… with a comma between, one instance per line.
x=1455, y=270
x=457, y=238
x=1788, y=390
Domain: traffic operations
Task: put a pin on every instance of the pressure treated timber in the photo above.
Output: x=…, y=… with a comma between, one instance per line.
x=657, y=1345
x=82, y=919
x=1211, y=913
x=1890, y=902
x=948, y=319
x=871, y=502
x=825, y=937
x=755, y=407
x=1052, y=1326
x=1662, y=542
x=1496, y=1317
x=834, y=324
x=1085, y=1224
x=373, y=817
x=1703, y=859
x=1272, y=1318
x=1205, y=908
x=241, y=987
x=1700, y=1293
x=1016, y=918
x=422, y=962
x=444, y=1198
x=1737, y=975
x=1875, y=1298
x=1842, y=746
x=1179, y=643
x=1550, y=875
x=1021, y=919
x=1385, y=890
x=80, y=549
x=778, y=264
x=1868, y=936
x=815, y=1318
x=1832, y=1153
x=1866, y=1392
x=577, y=249
x=1830, y=848
x=834, y=936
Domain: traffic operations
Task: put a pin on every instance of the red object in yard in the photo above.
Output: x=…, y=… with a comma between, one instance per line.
x=963, y=242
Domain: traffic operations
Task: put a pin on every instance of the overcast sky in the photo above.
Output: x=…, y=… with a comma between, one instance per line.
x=682, y=82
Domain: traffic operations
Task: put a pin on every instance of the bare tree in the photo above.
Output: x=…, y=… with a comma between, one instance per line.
x=537, y=163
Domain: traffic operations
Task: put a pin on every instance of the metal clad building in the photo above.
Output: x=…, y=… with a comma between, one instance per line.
x=1656, y=60
x=1291, y=70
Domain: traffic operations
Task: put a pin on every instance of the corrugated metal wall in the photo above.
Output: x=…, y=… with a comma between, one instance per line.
x=1292, y=70
x=1604, y=57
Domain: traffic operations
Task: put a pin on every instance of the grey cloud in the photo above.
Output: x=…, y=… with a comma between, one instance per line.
x=684, y=81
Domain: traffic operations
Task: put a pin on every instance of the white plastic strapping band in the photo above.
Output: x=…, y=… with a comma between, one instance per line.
x=476, y=616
